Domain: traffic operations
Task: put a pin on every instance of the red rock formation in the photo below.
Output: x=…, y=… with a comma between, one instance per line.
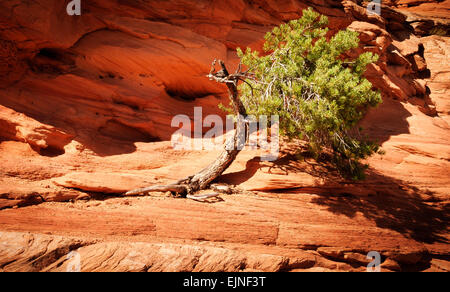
x=427, y=16
x=83, y=101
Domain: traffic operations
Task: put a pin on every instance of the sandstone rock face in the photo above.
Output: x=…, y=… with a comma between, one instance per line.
x=120, y=72
x=427, y=17
x=19, y=127
x=86, y=105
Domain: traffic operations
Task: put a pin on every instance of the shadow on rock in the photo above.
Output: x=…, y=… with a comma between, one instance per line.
x=389, y=202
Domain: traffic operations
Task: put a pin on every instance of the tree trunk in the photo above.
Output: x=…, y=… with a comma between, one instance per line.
x=233, y=145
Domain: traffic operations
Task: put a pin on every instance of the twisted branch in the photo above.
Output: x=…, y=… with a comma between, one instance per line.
x=188, y=186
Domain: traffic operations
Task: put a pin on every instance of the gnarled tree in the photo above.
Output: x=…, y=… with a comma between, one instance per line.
x=305, y=77
x=233, y=145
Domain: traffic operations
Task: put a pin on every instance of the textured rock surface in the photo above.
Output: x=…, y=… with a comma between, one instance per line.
x=85, y=114
x=427, y=17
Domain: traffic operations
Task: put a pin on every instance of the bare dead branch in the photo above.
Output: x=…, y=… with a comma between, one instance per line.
x=238, y=70
x=233, y=146
x=251, y=87
x=166, y=188
x=213, y=67
x=202, y=197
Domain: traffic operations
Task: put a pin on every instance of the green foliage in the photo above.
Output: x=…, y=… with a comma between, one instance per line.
x=319, y=94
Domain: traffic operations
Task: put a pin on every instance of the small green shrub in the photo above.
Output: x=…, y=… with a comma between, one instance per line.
x=319, y=94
